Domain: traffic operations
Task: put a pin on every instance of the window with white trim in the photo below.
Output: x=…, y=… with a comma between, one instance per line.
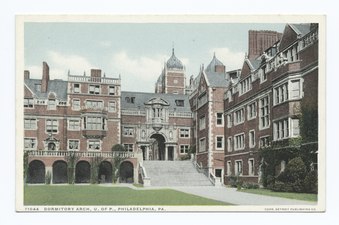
x=94, y=89
x=295, y=89
x=128, y=131
x=252, y=111
x=219, y=142
x=229, y=120
x=295, y=128
x=229, y=168
x=111, y=90
x=73, y=124
x=280, y=129
x=30, y=143
x=251, y=139
x=238, y=167
x=75, y=104
x=128, y=147
x=184, y=133
x=264, y=113
x=245, y=85
x=202, y=123
x=28, y=103
x=184, y=149
x=73, y=145
x=239, y=116
x=281, y=93
x=30, y=124
x=265, y=142
x=92, y=104
x=94, y=145
x=251, y=167
x=220, y=119
x=202, y=145
x=239, y=142
x=263, y=75
x=51, y=105
x=95, y=123
x=76, y=88
x=229, y=144
x=52, y=126
x=111, y=106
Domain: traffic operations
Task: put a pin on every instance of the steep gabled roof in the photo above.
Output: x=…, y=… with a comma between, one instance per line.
x=215, y=79
x=215, y=62
x=59, y=87
x=174, y=62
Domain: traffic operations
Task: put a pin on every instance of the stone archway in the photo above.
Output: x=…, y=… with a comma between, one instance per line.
x=158, y=147
x=82, y=172
x=60, y=172
x=126, y=172
x=105, y=172
x=36, y=172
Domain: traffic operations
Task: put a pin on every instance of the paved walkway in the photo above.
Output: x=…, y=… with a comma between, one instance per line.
x=229, y=195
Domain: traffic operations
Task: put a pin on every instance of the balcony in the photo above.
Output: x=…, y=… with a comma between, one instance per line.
x=82, y=154
x=101, y=110
x=102, y=80
x=94, y=134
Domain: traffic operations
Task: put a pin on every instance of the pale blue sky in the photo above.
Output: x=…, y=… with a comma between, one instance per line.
x=136, y=51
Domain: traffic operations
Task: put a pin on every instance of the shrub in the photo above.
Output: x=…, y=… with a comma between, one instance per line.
x=232, y=181
x=185, y=157
x=250, y=186
x=118, y=148
x=311, y=182
x=270, y=180
x=295, y=170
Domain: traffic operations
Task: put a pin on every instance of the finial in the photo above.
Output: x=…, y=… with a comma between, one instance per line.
x=213, y=54
x=246, y=56
x=69, y=72
x=84, y=73
x=104, y=75
x=172, y=47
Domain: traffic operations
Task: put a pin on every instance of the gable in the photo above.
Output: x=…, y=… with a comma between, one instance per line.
x=27, y=92
x=288, y=37
x=245, y=70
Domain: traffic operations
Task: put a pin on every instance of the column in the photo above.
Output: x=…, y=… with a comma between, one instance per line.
x=50, y=170
x=166, y=152
x=147, y=152
x=175, y=154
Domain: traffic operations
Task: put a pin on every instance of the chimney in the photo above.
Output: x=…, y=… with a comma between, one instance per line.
x=95, y=73
x=45, y=77
x=260, y=40
x=26, y=74
x=220, y=69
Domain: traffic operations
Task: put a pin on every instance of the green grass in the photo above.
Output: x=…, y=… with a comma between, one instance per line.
x=98, y=195
x=296, y=196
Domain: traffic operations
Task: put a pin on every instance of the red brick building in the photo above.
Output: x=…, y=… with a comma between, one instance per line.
x=263, y=105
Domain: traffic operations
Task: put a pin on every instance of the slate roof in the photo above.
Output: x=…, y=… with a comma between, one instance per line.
x=141, y=98
x=255, y=63
x=174, y=62
x=216, y=79
x=213, y=63
x=301, y=29
x=59, y=87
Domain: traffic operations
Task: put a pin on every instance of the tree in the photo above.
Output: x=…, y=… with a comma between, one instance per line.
x=117, y=158
x=25, y=166
x=118, y=148
x=71, y=158
x=95, y=164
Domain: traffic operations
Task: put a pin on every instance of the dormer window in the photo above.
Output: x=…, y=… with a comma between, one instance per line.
x=179, y=103
x=51, y=104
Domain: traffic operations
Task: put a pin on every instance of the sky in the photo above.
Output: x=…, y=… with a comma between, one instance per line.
x=136, y=51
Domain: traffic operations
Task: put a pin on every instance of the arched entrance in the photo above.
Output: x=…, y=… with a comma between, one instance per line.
x=36, y=172
x=82, y=172
x=126, y=172
x=60, y=172
x=158, y=147
x=105, y=172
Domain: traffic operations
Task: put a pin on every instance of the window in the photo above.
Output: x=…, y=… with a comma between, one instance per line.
x=179, y=103
x=295, y=128
x=218, y=172
x=73, y=145
x=94, y=89
x=239, y=116
x=111, y=106
x=264, y=113
x=280, y=129
x=220, y=119
x=202, y=145
x=295, y=89
x=281, y=94
x=38, y=87
x=76, y=88
x=252, y=110
x=94, y=145
x=229, y=144
x=129, y=147
x=264, y=142
x=76, y=104
x=95, y=123
x=128, y=131
x=73, y=124
x=111, y=90
x=90, y=104
x=251, y=139
x=263, y=74
x=51, y=104
x=229, y=120
x=251, y=167
x=229, y=166
x=184, y=133
x=239, y=142
x=52, y=126
x=220, y=142
x=30, y=143
x=30, y=124
x=238, y=167
x=28, y=103
x=245, y=85
x=202, y=123
x=184, y=149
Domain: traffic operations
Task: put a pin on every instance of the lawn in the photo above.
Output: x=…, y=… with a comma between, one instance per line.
x=99, y=195
x=297, y=196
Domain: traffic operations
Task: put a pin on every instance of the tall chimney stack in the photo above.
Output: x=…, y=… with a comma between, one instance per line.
x=45, y=77
x=26, y=74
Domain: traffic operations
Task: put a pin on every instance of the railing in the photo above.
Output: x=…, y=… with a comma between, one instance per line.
x=132, y=112
x=309, y=39
x=145, y=179
x=216, y=181
x=94, y=79
x=181, y=114
x=82, y=154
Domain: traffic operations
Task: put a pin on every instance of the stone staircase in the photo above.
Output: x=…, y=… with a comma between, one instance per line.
x=174, y=173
